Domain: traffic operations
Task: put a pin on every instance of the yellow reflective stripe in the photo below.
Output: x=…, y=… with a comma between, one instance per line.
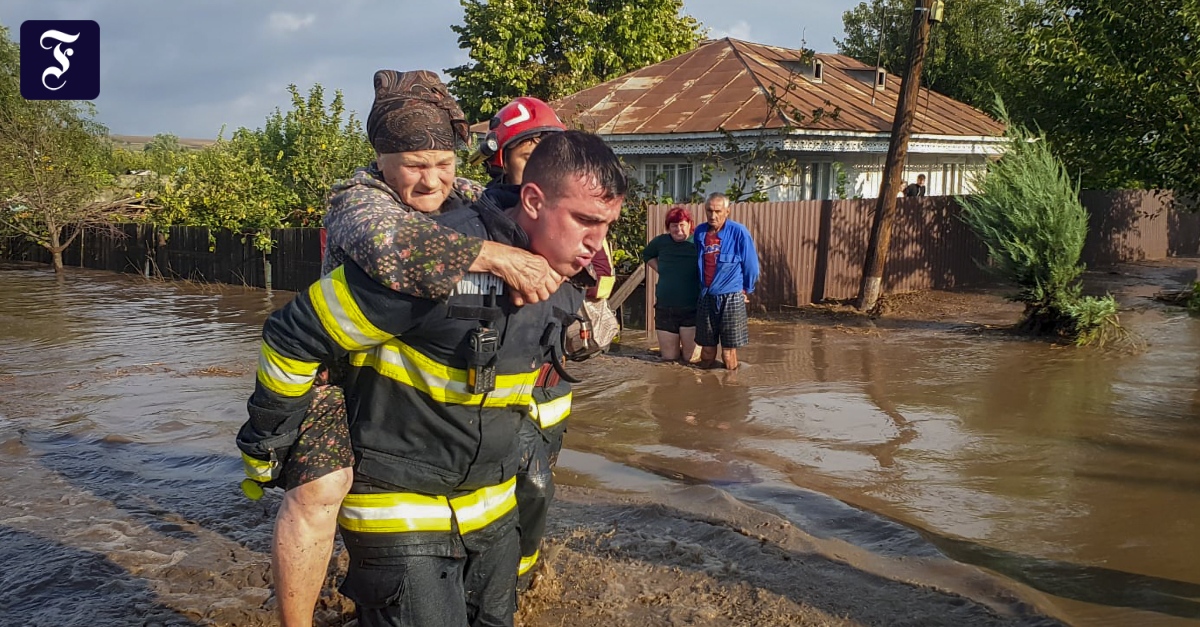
x=283, y=375
x=527, y=562
x=549, y=413
x=400, y=362
x=256, y=469
x=340, y=315
x=394, y=512
x=484, y=506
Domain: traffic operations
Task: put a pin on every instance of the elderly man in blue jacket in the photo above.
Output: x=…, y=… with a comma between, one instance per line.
x=728, y=273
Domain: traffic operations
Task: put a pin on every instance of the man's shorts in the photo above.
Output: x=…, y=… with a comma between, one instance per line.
x=721, y=319
x=670, y=319
x=324, y=443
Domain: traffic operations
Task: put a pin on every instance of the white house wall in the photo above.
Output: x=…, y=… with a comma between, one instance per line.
x=945, y=174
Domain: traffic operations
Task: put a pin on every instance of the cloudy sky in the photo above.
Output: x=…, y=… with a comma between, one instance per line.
x=188, y=67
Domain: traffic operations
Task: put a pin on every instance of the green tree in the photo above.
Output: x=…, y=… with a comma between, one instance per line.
x=53, y=165
x=308, y=148
x=552, y=48
x=1116, y=86
x=223, y=186
x=971, y=53
x=1026, y=210
x=275, y=176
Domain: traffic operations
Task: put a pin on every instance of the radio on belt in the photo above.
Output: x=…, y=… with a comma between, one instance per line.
x=481, y=377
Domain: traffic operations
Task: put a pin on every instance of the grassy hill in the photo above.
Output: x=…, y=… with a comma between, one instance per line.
x=138, y=142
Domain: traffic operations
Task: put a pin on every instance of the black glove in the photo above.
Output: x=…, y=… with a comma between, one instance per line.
x=263, y=456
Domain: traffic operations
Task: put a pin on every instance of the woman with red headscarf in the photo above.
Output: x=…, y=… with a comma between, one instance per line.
x=673, y=255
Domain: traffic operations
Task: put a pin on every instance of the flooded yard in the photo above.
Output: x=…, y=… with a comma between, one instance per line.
x=933, y=447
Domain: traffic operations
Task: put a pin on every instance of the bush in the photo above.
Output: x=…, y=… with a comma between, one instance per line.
x=1027, y=212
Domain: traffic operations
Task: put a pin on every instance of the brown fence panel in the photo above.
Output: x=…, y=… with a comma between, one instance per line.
x=216, y=255
x=296, y=258
x=1125, y=225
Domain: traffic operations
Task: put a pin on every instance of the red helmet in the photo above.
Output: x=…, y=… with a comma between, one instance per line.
x=518, y=120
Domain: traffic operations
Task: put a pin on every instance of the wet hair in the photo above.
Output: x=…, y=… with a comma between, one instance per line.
x=561, y=156
x=678, y=214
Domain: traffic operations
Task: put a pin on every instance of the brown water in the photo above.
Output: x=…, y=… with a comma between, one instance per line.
x=1073, y=472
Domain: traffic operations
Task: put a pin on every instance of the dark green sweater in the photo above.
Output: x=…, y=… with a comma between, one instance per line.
x=678, y=272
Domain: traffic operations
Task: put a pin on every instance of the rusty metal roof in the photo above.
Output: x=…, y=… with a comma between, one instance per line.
x=727, y=83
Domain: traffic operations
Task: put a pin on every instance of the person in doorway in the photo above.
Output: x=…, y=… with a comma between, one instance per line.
x=377, y=219
x=728, y=267
x=916, y=189
x=673, y=255
x=436, y=394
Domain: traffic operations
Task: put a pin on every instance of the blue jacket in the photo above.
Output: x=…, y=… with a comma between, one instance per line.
x=737, y=261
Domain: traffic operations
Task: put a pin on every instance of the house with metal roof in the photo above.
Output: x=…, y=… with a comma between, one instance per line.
x=728, y=108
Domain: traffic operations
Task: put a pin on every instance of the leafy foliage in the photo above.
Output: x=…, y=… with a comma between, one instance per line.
x=223, y=186
x=279, y=175
x=53, y=160
x=971, y=53
x=1027, y=213
x=552, y=48
x=1116, y=85
x=308, y=148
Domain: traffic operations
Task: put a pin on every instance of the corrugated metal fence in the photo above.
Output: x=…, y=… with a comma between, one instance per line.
x=811, y=251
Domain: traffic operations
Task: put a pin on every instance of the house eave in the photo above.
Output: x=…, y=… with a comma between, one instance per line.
x=800, y=140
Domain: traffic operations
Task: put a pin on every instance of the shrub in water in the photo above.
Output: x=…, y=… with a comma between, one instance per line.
x=1027, y=212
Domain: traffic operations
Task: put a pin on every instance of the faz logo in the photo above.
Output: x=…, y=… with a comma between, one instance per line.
x=60, y=60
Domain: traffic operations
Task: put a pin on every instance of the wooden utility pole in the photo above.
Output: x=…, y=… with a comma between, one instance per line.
x=871, y=287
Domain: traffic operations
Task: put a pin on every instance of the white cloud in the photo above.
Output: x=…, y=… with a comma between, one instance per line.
x=283, y=22
x=739, y=30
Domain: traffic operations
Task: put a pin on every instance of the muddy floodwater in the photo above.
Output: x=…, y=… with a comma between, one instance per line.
x=1072, y=474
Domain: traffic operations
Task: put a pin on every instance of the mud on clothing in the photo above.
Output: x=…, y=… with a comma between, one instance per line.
x=436, y=462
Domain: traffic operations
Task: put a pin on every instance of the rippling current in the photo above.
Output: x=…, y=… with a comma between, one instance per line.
x=1073, y=472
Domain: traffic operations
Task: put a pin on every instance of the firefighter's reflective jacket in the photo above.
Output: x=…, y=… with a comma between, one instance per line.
x=431, y=452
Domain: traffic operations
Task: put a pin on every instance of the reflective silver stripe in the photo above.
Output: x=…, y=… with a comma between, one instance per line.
x=340, y=315
x=396, y=360
x=552, y=412
x=283, y=375
x=256, y=469
x=484, y=506
x=396, y=512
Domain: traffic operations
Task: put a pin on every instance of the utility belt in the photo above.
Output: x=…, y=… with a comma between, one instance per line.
x=401, y=512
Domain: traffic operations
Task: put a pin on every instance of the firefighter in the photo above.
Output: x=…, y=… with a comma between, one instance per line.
x=378, y=219
x=435, y=392
x=513, y=134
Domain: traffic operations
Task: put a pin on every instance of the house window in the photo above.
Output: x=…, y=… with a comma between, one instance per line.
x=811, y=181
x=670, y=180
